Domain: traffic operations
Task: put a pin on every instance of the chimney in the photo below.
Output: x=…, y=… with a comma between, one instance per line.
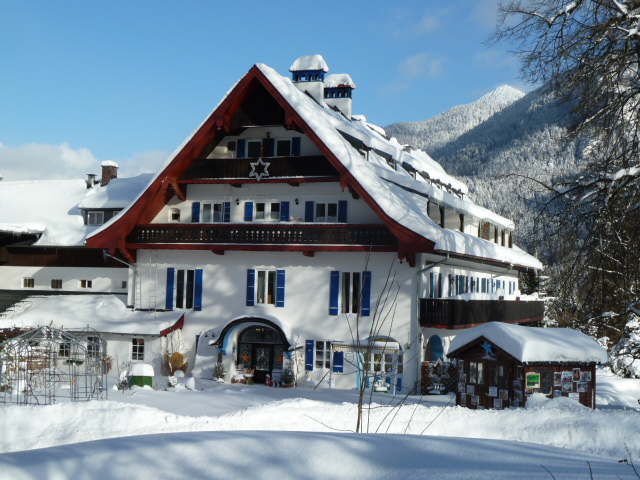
x=337, y=92
x=109, y=172
x=307, y=73
x=91, y=180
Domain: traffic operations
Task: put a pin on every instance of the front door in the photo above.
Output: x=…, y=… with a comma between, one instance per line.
x=260, y=348
x=263, y=362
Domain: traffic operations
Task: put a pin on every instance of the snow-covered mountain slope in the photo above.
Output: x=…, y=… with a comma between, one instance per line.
x=491, y=143
x=438, y=131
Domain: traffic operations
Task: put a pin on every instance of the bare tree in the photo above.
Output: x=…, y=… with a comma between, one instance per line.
x=587, y=52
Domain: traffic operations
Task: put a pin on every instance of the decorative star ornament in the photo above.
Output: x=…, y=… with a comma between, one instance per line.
x=263, y=169
x=488, y=349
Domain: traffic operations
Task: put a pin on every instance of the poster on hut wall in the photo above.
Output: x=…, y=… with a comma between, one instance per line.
x=574, y=396
x=582, y=387
x=585, y=376
x=567, y=377
x=463, y=399
x=567, y=387
x=557, y=379
x=576, y=374
x=533, y=380
x=497, y=403
x=504, y=395
x=493, y=391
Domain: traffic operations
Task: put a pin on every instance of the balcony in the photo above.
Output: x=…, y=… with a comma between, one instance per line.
x=267, y=234
x=239, y=168
x=456, y=314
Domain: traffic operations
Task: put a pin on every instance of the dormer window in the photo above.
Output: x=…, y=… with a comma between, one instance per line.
x=254, y=148
x=95, y=218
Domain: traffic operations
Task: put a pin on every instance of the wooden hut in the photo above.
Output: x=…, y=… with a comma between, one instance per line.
x=499, y=365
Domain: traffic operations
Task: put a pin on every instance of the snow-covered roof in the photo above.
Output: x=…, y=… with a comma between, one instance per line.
x=309, y=62
x=339, y=80
x=400, y=194
x=105, y=313
x=535, y=344
x=52, y=207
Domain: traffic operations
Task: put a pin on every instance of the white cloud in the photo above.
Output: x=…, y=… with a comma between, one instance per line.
x=39, y=161
x=485, y=13
x=420, y=64
x=491, y=59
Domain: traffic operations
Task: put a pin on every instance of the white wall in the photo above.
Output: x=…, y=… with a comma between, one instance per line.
x=102, y=279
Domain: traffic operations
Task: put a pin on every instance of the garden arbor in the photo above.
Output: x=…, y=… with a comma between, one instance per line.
x=47, y=365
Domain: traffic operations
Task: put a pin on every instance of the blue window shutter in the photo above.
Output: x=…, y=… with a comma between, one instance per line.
x=241, y=148
x=197, y=294
x=432, y=285
x=460, y=288
x=251, y=287
x=195, y=212
x=308, y=211
x=366, y=295
x=171, y=274
x=267, y=147
x=334, y=294
x=466, y=284
x=295, y=146
x=279, y=288
x=440, y=286
x=309, y=351
x=338, y=362
x=342, y=211
x=248, y=211
x=226, y=212
x=284, y=211
x=399, y=385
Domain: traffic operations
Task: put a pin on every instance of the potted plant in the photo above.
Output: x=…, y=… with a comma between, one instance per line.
x=219, y=372
x=288, y=379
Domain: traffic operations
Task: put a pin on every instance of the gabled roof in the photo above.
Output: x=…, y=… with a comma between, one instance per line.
x=390, y=190
x=51, y=209
x=533, y=344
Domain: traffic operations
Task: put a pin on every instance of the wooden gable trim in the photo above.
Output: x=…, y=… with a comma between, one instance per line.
x=153, y=199
x=178, y=190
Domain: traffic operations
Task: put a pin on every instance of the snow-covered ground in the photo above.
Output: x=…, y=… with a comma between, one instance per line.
x=252, y=431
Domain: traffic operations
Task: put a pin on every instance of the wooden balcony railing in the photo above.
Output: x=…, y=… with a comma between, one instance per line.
x=270, y=234
x=454, y=314
x=279, y=167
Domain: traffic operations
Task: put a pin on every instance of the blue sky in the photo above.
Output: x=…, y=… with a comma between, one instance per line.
x=84, y=82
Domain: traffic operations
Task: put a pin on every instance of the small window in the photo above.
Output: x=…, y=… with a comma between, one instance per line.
x=95, y=218
x=137, y=349
x=86, y=284
x=28, y=283
x=56, y=283
x=323, y=355
x=231, y=145
x=64, y=350
x=174, y=214
x=269, y=211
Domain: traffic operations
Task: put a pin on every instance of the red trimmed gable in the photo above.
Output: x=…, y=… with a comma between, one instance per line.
x=246, y=104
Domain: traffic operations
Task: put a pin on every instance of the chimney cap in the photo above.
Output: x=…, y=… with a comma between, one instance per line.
x=109, y=163
x=339, y=80
x=309, y=63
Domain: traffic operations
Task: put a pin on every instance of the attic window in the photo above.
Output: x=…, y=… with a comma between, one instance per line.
x=231, y=146
x=95, y=218
x=174, y=215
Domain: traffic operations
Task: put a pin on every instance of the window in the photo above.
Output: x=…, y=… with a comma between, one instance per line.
x=267, y=211
x=476, y=373
x=174, y=214
x=283, y=148
x=86, y=284
x=56, y=283
x=95, y=218
x=137, y=349
x=64, y=350
x=28, y=283
x=265, y=287
x=378, y=362
x=254, y=148
x=546, y=381
x=184, y=289
x=93, y=346
x=498, y=375
x=326, y=212
x=350, y=292
x=323, y=354
x=212, y=212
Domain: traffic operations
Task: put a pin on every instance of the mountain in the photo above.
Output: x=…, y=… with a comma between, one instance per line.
x=495, y=142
